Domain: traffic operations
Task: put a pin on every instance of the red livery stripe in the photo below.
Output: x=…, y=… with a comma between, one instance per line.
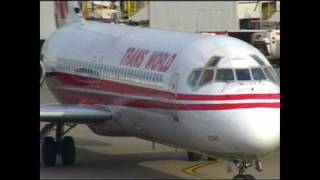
x=204, y=107
x=201, y=107
x=227, y=97
x=73, y=97
x=110, y=86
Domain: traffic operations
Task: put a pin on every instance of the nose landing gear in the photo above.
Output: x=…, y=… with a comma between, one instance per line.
x=242, y=166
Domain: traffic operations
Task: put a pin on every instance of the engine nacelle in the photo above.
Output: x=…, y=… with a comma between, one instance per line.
x=42, y=73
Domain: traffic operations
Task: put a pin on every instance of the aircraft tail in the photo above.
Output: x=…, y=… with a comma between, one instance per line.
x=67, y=12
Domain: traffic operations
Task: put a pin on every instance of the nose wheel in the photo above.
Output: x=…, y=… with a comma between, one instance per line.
x=244, y=177
x=63, y=146
x=242, y=166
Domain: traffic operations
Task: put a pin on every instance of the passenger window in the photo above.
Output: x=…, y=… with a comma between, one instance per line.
x=207, y=76
x=145, y=76
x=130, y=73
x=194, y=77
x=124, y=73
x=135, y=74
x=149, y=77
x=158, y=78
x=257, y=74
x=142, y=75
x=112, y=72
x=225, y=75
x=120, y=73
x=243, y=74
x=107, y=70
x=153, y=77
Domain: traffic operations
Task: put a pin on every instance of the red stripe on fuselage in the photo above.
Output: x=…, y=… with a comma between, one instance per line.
x=110, y=86
x=226, y=97
x=72, y=97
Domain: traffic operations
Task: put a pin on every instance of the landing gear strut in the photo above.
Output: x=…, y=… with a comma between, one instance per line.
x=242, y=166
x=61, y=145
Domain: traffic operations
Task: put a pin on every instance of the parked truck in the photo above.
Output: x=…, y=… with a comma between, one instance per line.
x=268, y=43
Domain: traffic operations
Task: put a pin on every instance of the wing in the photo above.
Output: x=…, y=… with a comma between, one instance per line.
x=76, y=114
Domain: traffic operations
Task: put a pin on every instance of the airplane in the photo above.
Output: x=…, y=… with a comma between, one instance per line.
x=213, y=96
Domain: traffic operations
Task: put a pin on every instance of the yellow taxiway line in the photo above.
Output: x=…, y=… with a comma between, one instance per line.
x=192, y=170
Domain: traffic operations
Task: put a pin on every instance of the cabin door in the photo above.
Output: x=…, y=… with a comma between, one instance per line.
x=173, y=95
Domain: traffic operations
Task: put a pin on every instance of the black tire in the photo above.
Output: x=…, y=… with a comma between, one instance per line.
x=244, y=177
x=68, y=151
x=250, y=177
x=194, y=156
x=49, y=151
x=240, y=177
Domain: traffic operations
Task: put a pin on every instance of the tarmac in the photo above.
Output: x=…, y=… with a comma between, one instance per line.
x=115, y=157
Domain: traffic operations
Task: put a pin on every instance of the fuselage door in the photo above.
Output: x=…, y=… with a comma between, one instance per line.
x=173, y=83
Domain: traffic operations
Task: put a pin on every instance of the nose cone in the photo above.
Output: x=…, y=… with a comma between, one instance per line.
x=256, y=131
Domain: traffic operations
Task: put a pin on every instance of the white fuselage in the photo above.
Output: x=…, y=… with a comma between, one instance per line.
x=141, y=75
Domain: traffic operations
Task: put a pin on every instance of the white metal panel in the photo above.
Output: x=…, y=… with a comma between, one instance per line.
x=275, y=17
x=248, y=9
x=143, y=14
x=278, y=5
x=194, y=16
x=47, y=19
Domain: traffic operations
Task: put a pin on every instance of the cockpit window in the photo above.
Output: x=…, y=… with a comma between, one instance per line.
x=274, y=74
x=206, y=77
x=214, y=61
x=243, y=74
x=194, y=77
x=225, y=75
x=257, y=74
x=271, y=74
x=258, y=59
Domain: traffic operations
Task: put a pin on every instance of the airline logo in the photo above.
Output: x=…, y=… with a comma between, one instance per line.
x=158, y=61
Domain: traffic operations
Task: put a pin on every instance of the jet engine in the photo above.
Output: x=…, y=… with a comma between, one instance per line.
x=42, y=73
